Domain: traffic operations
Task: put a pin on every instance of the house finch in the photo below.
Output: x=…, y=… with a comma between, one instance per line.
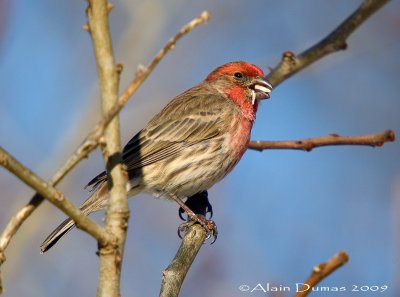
x=194, y=142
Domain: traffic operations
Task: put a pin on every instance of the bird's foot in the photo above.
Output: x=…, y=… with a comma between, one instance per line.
x=209, y=225
x=197, y=207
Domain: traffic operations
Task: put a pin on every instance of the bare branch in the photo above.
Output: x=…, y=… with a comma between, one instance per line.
x=335, y=41
x=377, y=139
x=321, y=271
x=117, y=214
x=54, y=196
x=176, y=271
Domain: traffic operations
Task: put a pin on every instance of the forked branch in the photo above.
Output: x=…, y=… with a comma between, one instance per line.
x=54, y=196
x=335, y=41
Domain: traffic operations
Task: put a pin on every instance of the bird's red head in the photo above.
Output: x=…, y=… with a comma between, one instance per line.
x=243, y=83
x=233, y=67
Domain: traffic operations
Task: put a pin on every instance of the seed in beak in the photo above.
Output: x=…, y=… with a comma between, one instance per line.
x=262, y=88
x=253, y=97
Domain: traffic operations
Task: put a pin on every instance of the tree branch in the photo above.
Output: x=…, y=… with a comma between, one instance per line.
x=117, y=214
x=377, y=139
x=54, y=196
x=176, y=271
x=321, y=271
x=335, y=41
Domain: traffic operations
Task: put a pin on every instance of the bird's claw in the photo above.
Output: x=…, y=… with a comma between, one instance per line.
x=209, y=225
x=184, y=227
x=212, y=231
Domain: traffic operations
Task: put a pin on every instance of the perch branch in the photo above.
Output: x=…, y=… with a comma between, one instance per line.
x=176, y=271
x=335, y=41
x=54, y=196
x=377, y=139
x=321, y=271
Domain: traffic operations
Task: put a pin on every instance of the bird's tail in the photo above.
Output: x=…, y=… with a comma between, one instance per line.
x=54, y=236
x=95, y=202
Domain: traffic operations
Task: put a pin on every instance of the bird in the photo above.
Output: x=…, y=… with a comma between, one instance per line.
x=191, y=144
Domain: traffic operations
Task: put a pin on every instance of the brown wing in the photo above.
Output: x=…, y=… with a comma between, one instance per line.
x=186, y=120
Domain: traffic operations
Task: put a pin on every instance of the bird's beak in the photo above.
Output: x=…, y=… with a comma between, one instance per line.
x=260, y=88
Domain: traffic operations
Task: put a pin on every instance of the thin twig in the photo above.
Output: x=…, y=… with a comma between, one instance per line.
x=321, y=271
x=335, y=41
x=176, y=271
x=91, y=142
x=16, y=221
x=54, y=196
x=117, y=214
x=13, y=226
x=377, y=139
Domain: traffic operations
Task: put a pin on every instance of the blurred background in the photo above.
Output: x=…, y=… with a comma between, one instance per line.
x=279, y=213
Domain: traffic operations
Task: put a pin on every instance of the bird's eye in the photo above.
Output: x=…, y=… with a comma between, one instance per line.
x=238, y=75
